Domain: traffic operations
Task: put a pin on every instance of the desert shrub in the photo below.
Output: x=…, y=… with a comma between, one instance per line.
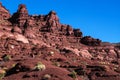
x=104, y=63
x=73, y=74
x=56, y=64
x=39, y=66
x=2, y=73
x=13, y=65
x=6, y=57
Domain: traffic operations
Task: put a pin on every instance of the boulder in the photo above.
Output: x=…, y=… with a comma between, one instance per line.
x=21, y=38
x=85, y=54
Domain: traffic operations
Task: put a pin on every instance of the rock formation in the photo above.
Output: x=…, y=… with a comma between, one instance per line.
x=88, y=40
x=20, y=17
x=39, y=47
x=52, y=19
x=77, y=33
x=4, y=13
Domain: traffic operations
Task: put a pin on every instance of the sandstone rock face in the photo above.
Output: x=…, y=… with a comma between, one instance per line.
x=52, y=19
x=69, y=30
x=85, y=54
x=25, y=40
x=88, y=40
x=20, y=17
x=4, y=13
x=21, y=38
x=4, y=16
x=77, y=33
x=16, y=29
x=23, y=15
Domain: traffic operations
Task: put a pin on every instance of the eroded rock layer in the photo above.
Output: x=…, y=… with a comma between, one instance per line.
x=39, y=47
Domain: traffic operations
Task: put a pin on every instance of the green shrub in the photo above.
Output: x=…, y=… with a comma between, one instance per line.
x=73, y=74
x=6, y=57
x=39, y=67
x=56, y=64
x=13, y=65
x=2, y=73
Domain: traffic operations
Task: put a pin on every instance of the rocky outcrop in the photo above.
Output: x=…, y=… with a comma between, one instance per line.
x=4, y=13
x=25, y=40
x=52, y=20
x=85, y=54
x=77, y=33
x=20, y=17
x=88, y=40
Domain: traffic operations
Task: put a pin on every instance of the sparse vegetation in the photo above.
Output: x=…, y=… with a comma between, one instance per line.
x=56, y=64
x=39, y=47
x=13, y=65
x=2, y=73
x=104, y=63
x=6, y=57
x=39, y=66
x=73, y=74
x=84, y=63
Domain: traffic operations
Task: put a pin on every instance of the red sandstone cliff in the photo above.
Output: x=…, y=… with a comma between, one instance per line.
x=41, y=48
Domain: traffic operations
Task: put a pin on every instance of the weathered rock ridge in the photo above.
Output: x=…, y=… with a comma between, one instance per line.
x=29, y=41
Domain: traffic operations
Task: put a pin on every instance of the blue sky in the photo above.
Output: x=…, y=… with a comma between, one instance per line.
x=97, y=18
